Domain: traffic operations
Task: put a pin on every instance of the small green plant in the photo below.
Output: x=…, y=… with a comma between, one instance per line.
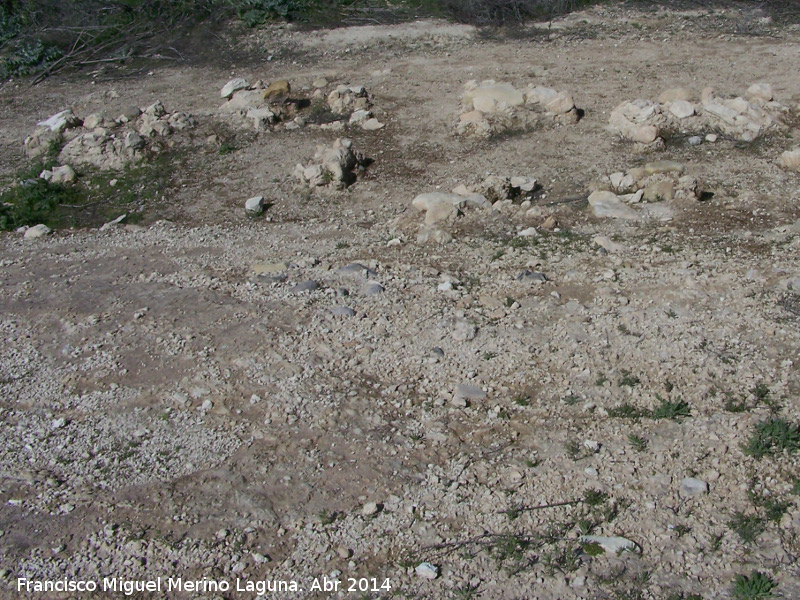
x=577, y=451
x=681, y=530
x=593, y=549
x=342, y=245
x=628, y=380
x=327, y=517
x=760, y=392
x=497, y=255
x=759, y=585
x=226, y=148
x=748, y=527
x=671, y=409
x=522, y=400
x=563, y=560
x=466, y=592
x=716, y=542
x=639, y=443
x=672, y=314
x=586, y=526
x=489, y=355
x=571, y=400
x=773, y=436
x=601, y=380
x=594, y=497
x=734, y=406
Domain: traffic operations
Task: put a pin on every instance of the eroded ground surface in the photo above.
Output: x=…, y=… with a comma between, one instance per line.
x=170, y=407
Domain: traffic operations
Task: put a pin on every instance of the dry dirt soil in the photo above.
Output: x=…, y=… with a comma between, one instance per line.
x=169, y=408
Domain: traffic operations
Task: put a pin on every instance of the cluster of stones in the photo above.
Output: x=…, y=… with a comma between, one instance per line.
x=655, y=183
x=677, y=110
x=443, y=208
x=271, y=106
x=102, y=142
x=490, y=108
x=353, y=102
x=334, y=166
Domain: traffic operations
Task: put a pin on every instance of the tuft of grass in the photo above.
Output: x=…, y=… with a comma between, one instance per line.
x=639, y=443
x=671, y=409
x=773, y=436
x=734, y=406
x=522, y=400
x=760, y=392
x=756, y=587
x=629, y=380
x=748, y=527
x=595, y=497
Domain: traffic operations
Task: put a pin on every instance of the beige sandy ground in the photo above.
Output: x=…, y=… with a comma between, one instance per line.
x=169, y=410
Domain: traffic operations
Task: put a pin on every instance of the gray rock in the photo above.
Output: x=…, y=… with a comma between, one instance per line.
x=370, y=508
x=695, y=140
x=37, y=231
x=427, y=571
x=372, y=289
x=465, y=391
x=60, y=121
x=110, y=224
x=343, y=311
x=129, y=113
x=691, y=487
x=357, y=269
x=304, y=286
x=59, y=175
x=372, y=125
x=439, y=207
x=682, y=109
x=607, y=204
x=531, y=277
x=254, y=206
x=232, y=86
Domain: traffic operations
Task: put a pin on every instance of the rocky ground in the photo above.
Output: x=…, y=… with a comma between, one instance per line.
x=446, y=403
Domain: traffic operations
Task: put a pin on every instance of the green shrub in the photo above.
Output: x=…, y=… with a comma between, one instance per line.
x=32, y=202
x=257, y=12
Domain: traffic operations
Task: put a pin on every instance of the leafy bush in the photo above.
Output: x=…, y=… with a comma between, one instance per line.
x=32, y=202
x=257, y=12
x=28, y=57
